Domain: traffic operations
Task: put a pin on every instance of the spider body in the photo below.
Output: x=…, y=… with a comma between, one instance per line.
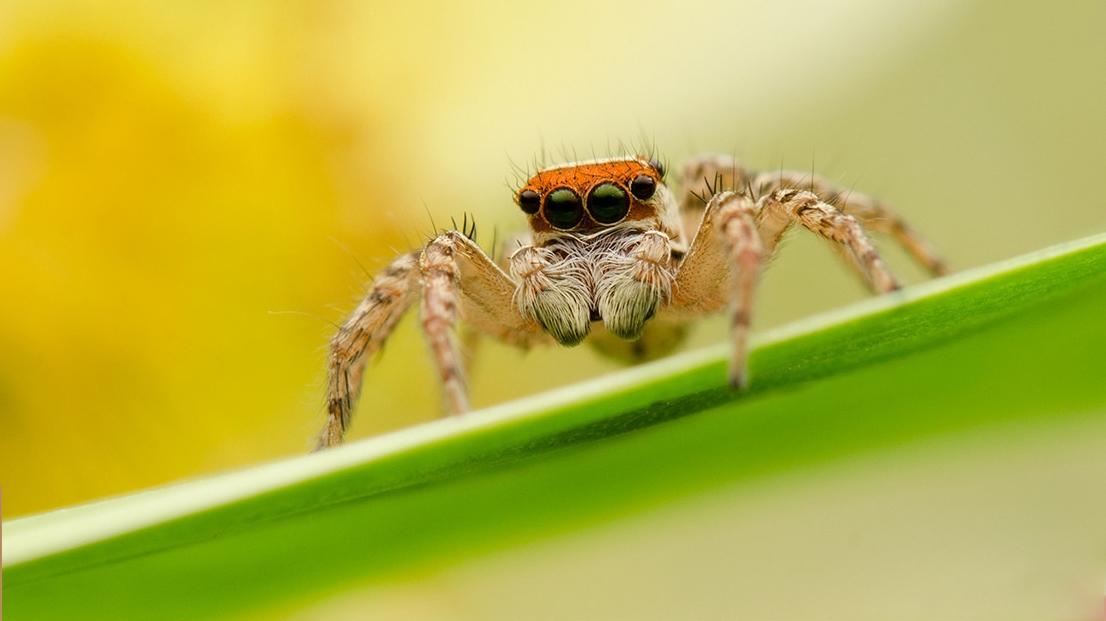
x=608, y=246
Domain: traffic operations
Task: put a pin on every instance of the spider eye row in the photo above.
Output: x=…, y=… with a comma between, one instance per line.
x=607, y=202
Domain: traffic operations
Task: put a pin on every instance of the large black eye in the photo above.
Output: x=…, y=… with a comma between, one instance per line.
x=530, y=201
x=563, y=208
x=642, y=187
x=657, y=166
x=608, y=203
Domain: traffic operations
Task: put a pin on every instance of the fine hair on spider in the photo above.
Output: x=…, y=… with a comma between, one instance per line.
x=611, y=254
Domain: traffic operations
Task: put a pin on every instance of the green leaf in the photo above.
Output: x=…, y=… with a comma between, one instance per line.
x=1019, y=340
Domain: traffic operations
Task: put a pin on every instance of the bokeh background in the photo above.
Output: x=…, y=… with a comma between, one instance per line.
x=189, y=191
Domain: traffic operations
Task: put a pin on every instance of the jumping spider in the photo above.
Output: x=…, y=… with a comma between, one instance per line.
x=608, y=250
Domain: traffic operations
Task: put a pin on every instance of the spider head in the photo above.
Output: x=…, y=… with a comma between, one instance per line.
x=588, y=197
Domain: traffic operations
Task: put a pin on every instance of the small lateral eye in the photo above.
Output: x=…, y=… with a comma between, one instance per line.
x=563, y=208
x=530, y=201
x=643, y=187
x=608, y=203
x=657, y=166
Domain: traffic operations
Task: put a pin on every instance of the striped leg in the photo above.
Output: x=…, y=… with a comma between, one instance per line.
x=392, y=293
x=872, y=214
x=723, y=264
x=826, y=220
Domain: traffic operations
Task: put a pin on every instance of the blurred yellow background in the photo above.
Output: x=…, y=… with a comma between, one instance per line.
x=187, y=189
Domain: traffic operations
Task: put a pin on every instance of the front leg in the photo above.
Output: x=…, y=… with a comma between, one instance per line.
x=457, y=279
x=724, y=263
x=441, y=277
x=461, y=281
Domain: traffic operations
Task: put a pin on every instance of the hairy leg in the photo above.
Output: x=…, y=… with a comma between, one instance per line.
x=872, y=214
x=805, y=208
x=723, y=264
x=364, y=332
x=456, y=278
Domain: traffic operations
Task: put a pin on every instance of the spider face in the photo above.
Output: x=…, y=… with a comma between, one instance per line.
x=589, y=197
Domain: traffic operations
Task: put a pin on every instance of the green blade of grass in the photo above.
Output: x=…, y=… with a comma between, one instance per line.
x=1023, y=338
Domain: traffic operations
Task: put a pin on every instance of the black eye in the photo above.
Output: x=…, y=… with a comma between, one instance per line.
x=530, y=201
x=657, y=166
x=563, y=208
x=642, y=187
x=608, y=203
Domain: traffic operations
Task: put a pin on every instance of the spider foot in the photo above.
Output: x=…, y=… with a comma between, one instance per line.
x=739, y=379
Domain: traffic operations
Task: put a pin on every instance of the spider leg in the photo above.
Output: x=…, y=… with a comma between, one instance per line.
x=735, y=236
x=805, y=208
x=457, y=280
x=872, y=214
x=460, y=280
x=392, y=293
x=746, y=255
x=439, y=314
x=723, y=263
